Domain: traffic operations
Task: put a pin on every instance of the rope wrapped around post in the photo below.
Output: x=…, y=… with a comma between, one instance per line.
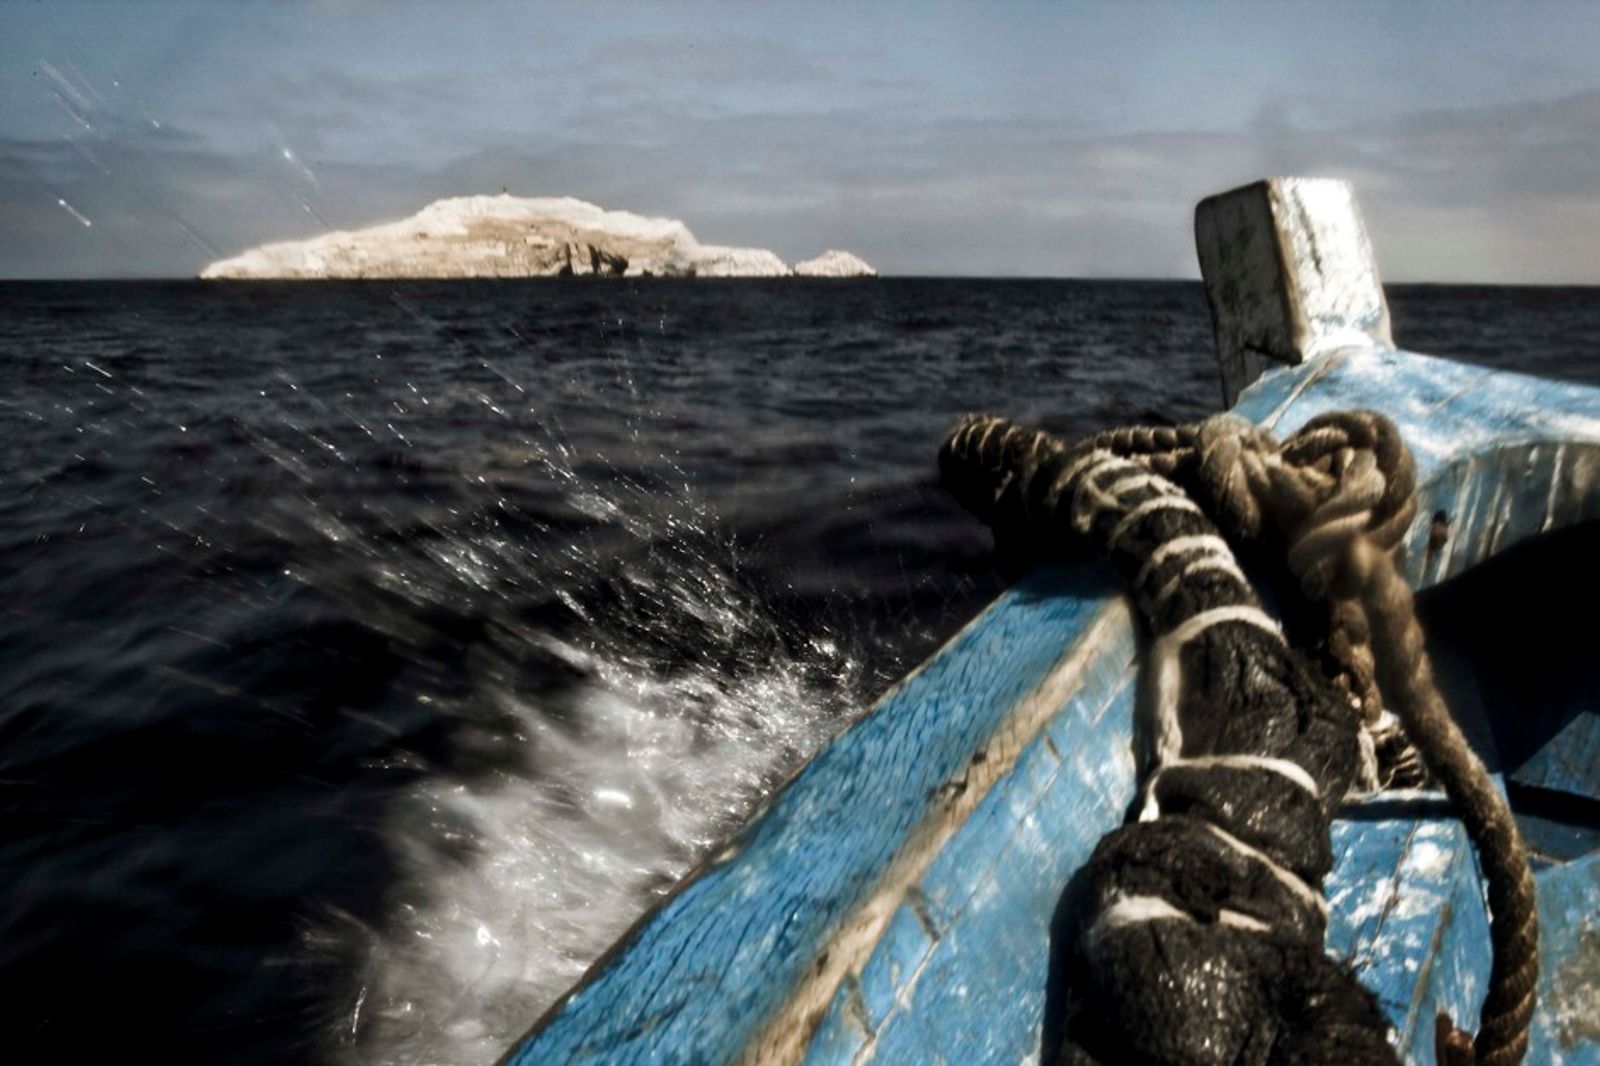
x=1340, y=494
x=1345, y=475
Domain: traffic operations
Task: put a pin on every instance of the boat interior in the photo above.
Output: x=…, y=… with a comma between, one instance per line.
x=1513, y=642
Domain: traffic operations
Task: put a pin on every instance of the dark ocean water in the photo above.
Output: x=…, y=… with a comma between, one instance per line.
x=372, y=654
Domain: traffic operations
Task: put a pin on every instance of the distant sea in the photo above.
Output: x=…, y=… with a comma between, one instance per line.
x=372, y=654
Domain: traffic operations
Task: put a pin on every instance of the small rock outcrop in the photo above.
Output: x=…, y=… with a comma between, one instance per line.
x=835, y=264
x=504, y=236
x=717, y=262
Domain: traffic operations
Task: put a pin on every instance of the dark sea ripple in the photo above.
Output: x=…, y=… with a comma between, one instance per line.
x=371, y=654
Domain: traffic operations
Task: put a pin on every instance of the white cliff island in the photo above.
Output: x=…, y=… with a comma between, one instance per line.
x=512, y=237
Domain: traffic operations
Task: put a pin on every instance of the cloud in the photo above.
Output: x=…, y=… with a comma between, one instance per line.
x=730, y=60
x=1506, y=193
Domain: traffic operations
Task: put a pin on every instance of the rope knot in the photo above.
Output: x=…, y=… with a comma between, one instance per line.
x=1355, y=462
x=1234, y=457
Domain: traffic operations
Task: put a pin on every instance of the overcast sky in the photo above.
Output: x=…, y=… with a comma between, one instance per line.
x=149, y=138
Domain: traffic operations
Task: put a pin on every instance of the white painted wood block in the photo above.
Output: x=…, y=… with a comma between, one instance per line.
x=1289, y=272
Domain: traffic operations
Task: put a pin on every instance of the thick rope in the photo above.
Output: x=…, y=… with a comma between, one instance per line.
x=1407, y=675
x=1200, y=926
x=1341, y=495
x=1343, y=474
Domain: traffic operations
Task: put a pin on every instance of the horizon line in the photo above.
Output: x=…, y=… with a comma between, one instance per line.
x=586, y=280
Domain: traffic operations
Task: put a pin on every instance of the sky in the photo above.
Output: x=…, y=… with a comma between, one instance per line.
x=147, y=139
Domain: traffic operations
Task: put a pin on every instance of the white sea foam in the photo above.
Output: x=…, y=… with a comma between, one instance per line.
x=514, y=882
x=624, y=801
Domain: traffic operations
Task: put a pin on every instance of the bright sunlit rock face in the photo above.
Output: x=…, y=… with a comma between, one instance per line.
x=505, y=236
x=835, y=264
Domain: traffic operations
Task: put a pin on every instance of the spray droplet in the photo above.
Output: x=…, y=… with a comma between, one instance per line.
x=74, y=212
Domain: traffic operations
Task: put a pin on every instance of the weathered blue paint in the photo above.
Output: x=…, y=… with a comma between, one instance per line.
x=1503, y=456
x=1570, y=761
x=1406, y=910
x=1566, y=1029
x=989, y=898
x=956, y=972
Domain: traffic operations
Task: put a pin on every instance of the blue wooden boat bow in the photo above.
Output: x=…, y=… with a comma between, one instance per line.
x=894, y=901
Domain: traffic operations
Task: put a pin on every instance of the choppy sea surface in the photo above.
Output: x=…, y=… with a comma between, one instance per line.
x=371, y=655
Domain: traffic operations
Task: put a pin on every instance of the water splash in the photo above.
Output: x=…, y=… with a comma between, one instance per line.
x=629, y=792
x=687, y=696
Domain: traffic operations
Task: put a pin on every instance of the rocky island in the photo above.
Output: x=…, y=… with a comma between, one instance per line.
x=834, y=264
x=512, y=237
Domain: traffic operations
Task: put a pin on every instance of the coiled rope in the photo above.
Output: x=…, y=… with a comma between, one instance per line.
x=1340, y=493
